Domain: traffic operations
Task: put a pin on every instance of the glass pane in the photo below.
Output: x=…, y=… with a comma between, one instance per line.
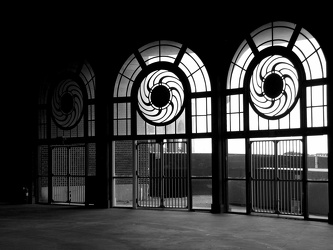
x=123, y=158
x=317, y=158
x=234, y=76
x=43, y=189
x=317, y=95
x=202, y=193
x=234, y=103
x=201, y=106
x=201, y=158
x=237, y=196
x=315, y=65
x=236, y=158
x=318, y=117
x=201, y=124
x=121, y=127
x=305, y=44
x=123, y=192
x=318, y=200
x=202, y=145
x=200, y=83
x=141, y=128
x=235, y=122
x=261, y=39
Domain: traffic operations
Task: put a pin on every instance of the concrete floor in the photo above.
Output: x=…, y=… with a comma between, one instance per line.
x=66, y=227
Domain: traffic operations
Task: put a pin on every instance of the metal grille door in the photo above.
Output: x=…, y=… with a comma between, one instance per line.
x=276, y=176
x=68, y=174
x=162, y=175
x=60, y=191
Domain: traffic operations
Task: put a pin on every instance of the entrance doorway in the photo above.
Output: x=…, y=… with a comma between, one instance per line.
x=277, y=168
x=162, y=174
x=68, y=174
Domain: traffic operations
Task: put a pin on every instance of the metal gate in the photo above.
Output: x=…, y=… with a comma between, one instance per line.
x=68, y=174
x=162, y=174
x=277, y=177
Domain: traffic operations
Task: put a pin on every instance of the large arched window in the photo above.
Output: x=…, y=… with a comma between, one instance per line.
x=67, y=103
x=162, y=119
x=66, y=134
x=162, y=89
x=276, y=68
x=276, y=123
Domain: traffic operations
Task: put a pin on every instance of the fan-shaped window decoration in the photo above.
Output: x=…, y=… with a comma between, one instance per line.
x=269, y=71
x=274, y=87
x=70, y=97
x=152, y=89
x=67, y=102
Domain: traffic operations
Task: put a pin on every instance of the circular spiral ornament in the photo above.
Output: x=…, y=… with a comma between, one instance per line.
x=160, y=97
x=67, y=104
x=274, y=87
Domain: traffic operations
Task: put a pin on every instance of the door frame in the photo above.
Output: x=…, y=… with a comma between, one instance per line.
x=68, y=175
x=164, y=179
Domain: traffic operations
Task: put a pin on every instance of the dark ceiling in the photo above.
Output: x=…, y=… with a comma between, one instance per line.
x=36, y=39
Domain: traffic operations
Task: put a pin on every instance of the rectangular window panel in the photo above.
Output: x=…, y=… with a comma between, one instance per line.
x=201, y=159
x=318, y=200
x=121, y=111
x=170, y=129
x=317, y=117
x=201, y=124
x=123, y=192
x=160, y=130
x=181, y=124
x=316, y=106
x=317, y=95
x=254, y=122
x=234, y=108
x=201, y=119
x=317, y=158
x=236, y=158
x=201, y=104
x=121, y=127
x=202, y=193
x=237, y=196
x=123, y=159
x=140, y=126
x=43, y=189
x=234, y=122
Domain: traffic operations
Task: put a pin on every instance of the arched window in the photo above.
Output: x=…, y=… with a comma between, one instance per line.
x=67, y=103
x=66, y=133
x=162, y=111
x=162, y=89
x=272, y=70
x=276, y=123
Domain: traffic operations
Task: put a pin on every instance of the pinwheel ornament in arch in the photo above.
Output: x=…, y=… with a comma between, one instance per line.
x=67, y=104
x=160, y=97
x=274, y=87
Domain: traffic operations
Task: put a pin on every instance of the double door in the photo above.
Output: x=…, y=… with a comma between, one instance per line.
x=68, y=174
x=162, y=174
x=277, y=177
